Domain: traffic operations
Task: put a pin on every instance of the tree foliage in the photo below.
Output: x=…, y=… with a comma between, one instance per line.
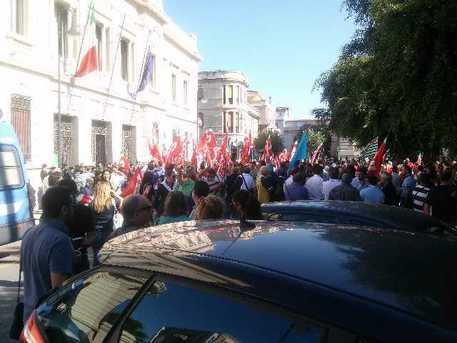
x=276, y=142
x=397, y=77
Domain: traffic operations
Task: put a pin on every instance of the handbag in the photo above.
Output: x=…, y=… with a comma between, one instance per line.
x=18, y=319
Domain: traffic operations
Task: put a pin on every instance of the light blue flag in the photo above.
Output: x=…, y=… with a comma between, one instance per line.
x=301, y=153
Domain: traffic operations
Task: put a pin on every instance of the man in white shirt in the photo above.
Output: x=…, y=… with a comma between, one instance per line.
x=333, y=182
x=314, y=184
x=248, y=183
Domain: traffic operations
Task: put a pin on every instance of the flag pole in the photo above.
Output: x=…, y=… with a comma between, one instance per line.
x=91, y=8
x=113, y=67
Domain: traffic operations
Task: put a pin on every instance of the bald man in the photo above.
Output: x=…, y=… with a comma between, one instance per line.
x=137, y=212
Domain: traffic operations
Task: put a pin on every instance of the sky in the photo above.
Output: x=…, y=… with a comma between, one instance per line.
x=282, y=46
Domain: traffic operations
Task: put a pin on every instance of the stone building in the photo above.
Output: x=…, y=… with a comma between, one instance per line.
x=223, y=105
x=282, y=115
x=293, y=127
x=100, y=121
x=265, y=109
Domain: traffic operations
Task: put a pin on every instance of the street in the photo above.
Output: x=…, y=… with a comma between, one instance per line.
x=9, y=269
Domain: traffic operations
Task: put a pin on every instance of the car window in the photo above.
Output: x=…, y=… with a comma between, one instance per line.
x=87, y=308
x=176, y=312
x=10, y=168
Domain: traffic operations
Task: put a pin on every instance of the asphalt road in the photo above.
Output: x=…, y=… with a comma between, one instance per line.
x=9, y=270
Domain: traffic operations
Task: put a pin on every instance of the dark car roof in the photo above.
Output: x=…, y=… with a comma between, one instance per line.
x=407, y=271
x=396, y=217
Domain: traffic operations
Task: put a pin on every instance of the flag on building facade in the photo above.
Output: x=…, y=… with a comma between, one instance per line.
x=88, y=62
x=146, y=73
x=301, y=153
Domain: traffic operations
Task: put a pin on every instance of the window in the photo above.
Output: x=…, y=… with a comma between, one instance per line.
x=86, y=309
x=175, y=312
x=99, y=38
x=108, y=49
x=237, y=123
x=185, y=92
x=230, y=95
x=10, y=168
x=125, y=59
x=224, y=94
x=228, y=122
x=238, y=95
x=20, y=119
x=19, y=17
x=61, y=13
x=173, y=87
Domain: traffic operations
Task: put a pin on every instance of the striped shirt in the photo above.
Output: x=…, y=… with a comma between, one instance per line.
x=419, y=197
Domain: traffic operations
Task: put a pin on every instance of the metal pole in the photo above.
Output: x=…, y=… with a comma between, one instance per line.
x=59, y=115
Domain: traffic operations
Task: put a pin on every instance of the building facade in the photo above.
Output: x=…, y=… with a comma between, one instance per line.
x=100, y=121
x=293, y=127
x=223, y=106
x=264, y=108
x=282, y=115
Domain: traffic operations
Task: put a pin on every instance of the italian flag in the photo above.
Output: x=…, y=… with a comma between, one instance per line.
x=89, y=61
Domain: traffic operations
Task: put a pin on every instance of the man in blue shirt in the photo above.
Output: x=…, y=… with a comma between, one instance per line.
x=294, y=188
x=372, y=194
x=46, y=250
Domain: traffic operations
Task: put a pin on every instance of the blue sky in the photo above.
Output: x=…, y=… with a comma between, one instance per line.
x=282, y=46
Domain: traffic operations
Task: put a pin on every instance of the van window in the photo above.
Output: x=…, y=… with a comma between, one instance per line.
x=11, y=174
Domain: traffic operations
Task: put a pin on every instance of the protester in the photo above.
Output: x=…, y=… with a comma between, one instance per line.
x=210, y=207
x=46, y=250
x=175, y=209
x=214, y=181
x=246, y=205
x=420, y=192
x=359, y=180
x=248, y=183
x=441, y=201
x=332, y=182
x=294, y=187
x=389, y=190
x=136, y=210
x=82, y=233
x=168, y=185
x=200, y=191
x=314, y=184
x=345, y=191
x=104, y=206
x=263, y=188
x=372, y=194
x=407, y=187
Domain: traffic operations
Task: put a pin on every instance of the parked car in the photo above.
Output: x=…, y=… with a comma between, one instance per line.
x=223, y=281
x=355, y=212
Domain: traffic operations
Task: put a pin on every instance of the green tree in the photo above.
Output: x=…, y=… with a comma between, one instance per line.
x=276, y=142
x=397, y=77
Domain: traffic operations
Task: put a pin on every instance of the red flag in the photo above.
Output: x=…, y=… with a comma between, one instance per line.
x=126, y=165
x=267, y=153
x=193, y=160
x=176, y=151
x=155, y=152
x=316, y=154
x=379, y=156
x=131, y=184
x=292, y=150
x=88, y=63
x=246, y=150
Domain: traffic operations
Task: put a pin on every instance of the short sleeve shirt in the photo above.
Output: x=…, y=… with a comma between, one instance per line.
x=45, y=249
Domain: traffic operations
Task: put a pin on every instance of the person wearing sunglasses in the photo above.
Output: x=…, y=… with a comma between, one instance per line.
x=137, y=213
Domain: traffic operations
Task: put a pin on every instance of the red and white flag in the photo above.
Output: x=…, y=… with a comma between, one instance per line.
x=88, y=62
x=316, y=154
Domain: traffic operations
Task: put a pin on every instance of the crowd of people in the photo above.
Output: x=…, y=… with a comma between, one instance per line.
x=84, y=207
